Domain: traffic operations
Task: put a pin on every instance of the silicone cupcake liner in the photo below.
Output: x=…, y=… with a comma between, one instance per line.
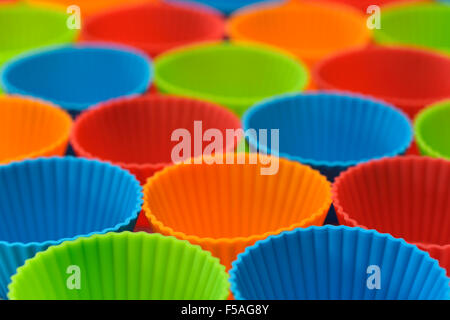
x=49, y=27
x=432, y=128
x=405, y=196
x=47, y=201
x=403, y=77
x=137, y=133
x=76, y=77
x=234, y=75
x=333, y=263
x=31, y=129
x=423, y=25
x=240, y=202
x=329, y=131
x=126, y=266
x=295, y=28
x=229, y=6
x=88, y=7
x=156, y=27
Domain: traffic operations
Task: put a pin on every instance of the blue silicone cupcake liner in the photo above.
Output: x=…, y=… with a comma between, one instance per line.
x=76, y=77
x=50, y=200
x=229, y=6
x=337, y=263
x=330, y=131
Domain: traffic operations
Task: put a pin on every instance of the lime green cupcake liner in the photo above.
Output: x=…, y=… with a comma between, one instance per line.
x=423, y=25
x=432, y=129
x=121, y=266
x=234, y=75
x=24, y=27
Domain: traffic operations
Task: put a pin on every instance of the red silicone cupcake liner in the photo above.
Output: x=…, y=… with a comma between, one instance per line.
x=156, y=27
x=407, y=197
x=136, y=133
x=408, y=78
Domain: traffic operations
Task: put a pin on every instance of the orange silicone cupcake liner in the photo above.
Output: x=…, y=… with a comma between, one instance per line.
x=31, y=128
x=231, y=206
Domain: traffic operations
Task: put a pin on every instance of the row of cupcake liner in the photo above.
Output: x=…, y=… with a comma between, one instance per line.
x=328, y=130
x=236, y=75
x=157, y=27
x=57, y=199
x=337, y=26
x=314, y=263
x=69, y=76
x=396, y=53
x=341, y=26
x=143, y=168
x=347, y=71
x=26, y=75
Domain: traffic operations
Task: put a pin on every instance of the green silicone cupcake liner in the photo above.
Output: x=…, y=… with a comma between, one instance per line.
x=24, y=27
x=121, y=266
x=432, y=129
x=424, y=25
x=234, y=75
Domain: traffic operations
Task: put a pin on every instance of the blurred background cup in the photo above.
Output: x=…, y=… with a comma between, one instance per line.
x=234, y=75
x=50, y=200
x=423, y=25
x=24, y=27
x=79, y=76
x=404, y=77
x=432, y=130
x=309, y=30
x=125, y=266
x=156, y=27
